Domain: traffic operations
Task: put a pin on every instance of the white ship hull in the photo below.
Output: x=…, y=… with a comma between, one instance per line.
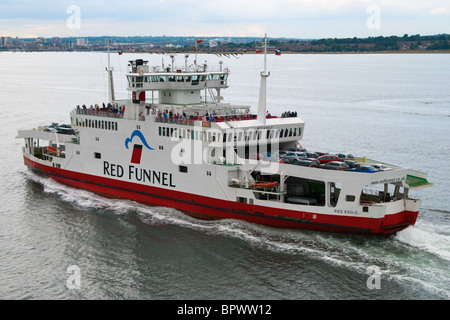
x=98, y=160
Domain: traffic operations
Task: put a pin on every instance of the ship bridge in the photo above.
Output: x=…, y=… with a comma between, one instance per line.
x=176, y=85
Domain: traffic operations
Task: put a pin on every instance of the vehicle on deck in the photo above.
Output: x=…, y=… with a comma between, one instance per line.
x=291, y=156
x=352, y=163
x=304, y=163
x=335, y=165
x=381, y=167
x=365, y=168
x=328, y=158
x=312, y=155
x=314, y=161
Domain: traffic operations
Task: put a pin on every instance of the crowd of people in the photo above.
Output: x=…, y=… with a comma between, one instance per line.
x=289, y=114
x=171, y=116
x=109, y=108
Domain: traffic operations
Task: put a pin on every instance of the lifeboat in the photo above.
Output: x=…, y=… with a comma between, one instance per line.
x=51, y=150
x=264, y=185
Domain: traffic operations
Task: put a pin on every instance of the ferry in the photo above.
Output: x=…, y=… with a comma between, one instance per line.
x=177, y=144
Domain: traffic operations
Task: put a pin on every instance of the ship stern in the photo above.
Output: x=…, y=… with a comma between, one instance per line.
x=401, y=219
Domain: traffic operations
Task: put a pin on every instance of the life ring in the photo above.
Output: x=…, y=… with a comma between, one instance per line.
x=366, y=204
x=141, y=72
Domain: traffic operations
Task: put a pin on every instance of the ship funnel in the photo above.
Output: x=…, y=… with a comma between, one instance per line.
x=140, y=67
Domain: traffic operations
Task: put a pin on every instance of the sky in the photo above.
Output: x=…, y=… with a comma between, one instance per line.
x=302, y=19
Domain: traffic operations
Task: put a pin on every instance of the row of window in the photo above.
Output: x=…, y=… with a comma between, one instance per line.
x=178, y=78
x=98, y=124
x=194, y=79
x=237, y=135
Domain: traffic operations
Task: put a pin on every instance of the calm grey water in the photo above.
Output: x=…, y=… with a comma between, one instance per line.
x=394, y=108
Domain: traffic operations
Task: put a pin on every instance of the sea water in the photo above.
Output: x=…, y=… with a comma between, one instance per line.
x=57, y=242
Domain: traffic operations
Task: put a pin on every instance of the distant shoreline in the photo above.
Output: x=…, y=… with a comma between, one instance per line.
x=251, y=52
x=369, y=52
x=246, y=45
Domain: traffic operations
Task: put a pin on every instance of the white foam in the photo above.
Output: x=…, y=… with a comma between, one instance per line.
x=426, y=240
x=82, y=198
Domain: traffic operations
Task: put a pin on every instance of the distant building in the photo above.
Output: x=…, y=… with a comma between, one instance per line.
x=6, y=41
x=81, y=42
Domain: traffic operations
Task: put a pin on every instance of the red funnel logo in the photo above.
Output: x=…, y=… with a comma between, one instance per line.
x=137, y=148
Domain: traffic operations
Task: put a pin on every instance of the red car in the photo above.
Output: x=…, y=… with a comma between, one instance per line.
x=327, y=158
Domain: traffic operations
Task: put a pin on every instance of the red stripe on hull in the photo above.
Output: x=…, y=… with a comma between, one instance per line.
x=206, y=207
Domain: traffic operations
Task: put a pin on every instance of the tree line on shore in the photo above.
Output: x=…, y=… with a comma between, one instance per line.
x=405, y=43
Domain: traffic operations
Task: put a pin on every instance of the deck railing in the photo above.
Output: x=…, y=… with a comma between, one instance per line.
x=205, y=120
x=103, y=112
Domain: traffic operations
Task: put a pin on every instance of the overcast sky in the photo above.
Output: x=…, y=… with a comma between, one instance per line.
x=224, y=18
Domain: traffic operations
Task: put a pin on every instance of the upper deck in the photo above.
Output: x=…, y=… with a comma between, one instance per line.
x=190, y=77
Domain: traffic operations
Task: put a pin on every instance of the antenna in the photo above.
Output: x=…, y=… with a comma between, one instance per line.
x=262, y=89
x=110, y=76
